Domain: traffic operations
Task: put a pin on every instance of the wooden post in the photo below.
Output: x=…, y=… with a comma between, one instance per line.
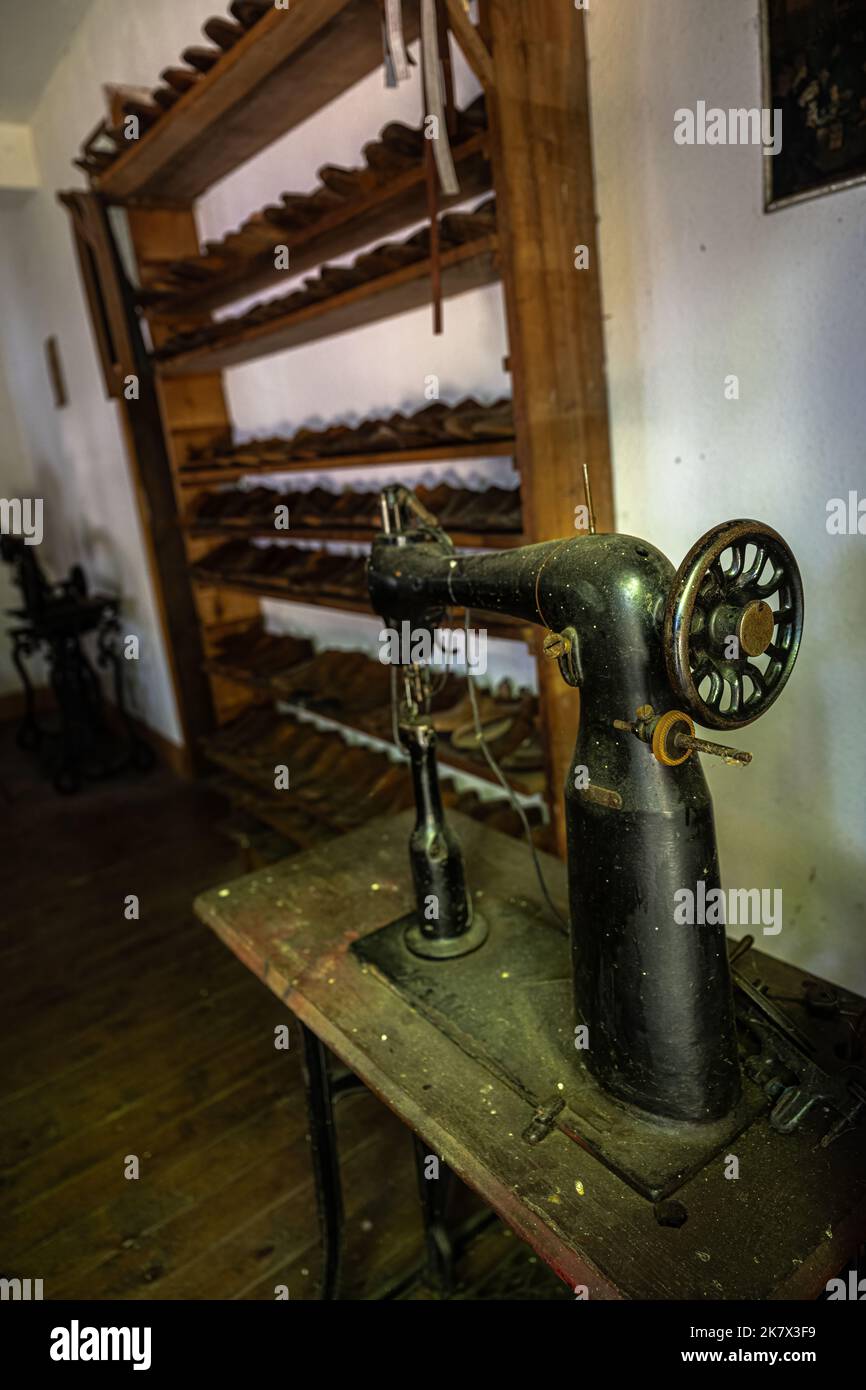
x=542, y=163
x=123, y=354
x=193, y=413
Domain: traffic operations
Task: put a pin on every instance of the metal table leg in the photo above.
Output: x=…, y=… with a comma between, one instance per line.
x=326, y=1161
x=323, y=1090
x=433, y=1193
x=24, y=644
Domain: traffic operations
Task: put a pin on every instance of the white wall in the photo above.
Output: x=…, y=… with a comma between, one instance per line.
x=76, y=454
x=19, y=175
x=16, y=480
x=698, y=283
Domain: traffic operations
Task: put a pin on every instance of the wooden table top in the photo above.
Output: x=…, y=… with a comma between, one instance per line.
x=789, y=1222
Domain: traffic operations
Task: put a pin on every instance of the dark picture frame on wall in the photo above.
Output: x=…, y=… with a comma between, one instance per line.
x=814, y=71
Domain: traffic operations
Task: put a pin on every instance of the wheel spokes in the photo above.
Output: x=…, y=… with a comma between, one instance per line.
x=753, y=573
x=732, y=568
x=759, y=685
x=770, y=585
x=709, y=670
x=738, y=559
x=734, y=678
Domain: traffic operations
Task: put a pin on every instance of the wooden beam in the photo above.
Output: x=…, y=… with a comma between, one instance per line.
x=192, y=409
x=149, y=462
x=204, y=473
x=464, y=267
x=107, y=295
x=358, y=222
x=474, y=50
x=542, y=166
x=288, y=66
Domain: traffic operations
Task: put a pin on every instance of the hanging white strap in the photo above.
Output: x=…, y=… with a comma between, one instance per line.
x=433, y=87
x=396, y=44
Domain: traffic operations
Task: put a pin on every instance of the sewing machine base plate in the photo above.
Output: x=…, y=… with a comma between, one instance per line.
x=509, y=1006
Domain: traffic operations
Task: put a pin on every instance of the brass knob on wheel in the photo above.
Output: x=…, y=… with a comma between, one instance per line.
x=755, y=627
x=751, y=624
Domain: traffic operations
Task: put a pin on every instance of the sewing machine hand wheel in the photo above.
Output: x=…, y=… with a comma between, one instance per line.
x=733, y=622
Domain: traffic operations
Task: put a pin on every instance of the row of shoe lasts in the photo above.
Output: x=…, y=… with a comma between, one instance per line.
x=293, y=568
x=176, y=81
x=438, y=423
x=332, y=683
x=399, y=148
x=261, y=655
x=356, y=688
x=456, y=228
x=329, y=779
x=331, y=782
x=335, y=683
x=298, y=831
x=494, y=510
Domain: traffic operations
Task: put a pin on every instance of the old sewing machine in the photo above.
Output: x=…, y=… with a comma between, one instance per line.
x=622, y=1029
x=657, y=1112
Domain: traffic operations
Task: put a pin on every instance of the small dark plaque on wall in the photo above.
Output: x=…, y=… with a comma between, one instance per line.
x=55, y=373
x=814, y=55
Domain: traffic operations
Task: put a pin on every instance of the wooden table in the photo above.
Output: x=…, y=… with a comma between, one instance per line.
x=790, y=1221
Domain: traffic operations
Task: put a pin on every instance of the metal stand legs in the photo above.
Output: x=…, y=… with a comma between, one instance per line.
x=322, y=1090
x=85, y=745
x=433, y=1192
x=326, y=1160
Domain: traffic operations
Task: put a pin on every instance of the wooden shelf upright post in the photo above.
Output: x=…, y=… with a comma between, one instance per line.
x=542, y=169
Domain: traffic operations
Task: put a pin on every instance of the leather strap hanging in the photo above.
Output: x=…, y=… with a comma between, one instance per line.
x=438, y=82
x=433, y=214
x=447, y=68
x=395, y=42
x=434, y=102
x=390, y=70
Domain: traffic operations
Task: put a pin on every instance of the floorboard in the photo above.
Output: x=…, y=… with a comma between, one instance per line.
x=145, y=1037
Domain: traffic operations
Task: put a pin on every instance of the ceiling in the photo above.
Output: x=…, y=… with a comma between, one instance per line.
x=34, y=35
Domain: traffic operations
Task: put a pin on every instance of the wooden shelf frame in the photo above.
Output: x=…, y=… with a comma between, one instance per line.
x=204, y=474
x=285, y=68
x=356, y=535
x=389, y=208
x=526, y=785
x=496, y=624
x=532, y=64
x=466, y=267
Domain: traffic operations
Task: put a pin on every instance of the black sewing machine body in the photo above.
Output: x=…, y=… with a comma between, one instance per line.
x=671, y=1069
x=636, y=833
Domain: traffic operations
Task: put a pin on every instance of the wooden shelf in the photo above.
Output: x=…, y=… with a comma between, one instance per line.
x=288, y=66
x=464, y=268
x=262, y=809
x=531, y=62
x=530, y=784
x=255, y=778
x=496, y=624
x=267, y=588
x=471, y=540
x=205, y=474
x=389, y=208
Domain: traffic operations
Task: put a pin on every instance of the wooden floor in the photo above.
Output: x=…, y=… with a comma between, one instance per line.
x=147, y=1039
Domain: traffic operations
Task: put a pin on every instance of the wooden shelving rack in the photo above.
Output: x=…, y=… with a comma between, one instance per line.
x=535, y=154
